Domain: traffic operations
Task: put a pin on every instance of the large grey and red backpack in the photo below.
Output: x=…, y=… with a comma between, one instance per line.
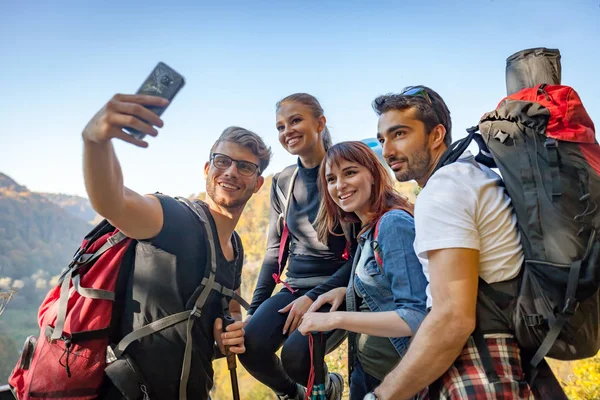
x=543, y=142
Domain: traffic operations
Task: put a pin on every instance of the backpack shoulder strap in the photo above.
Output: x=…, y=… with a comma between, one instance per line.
x=207, y=285
x=285, y=186
x=287, y=176
x=457, y=148
x=376, y=248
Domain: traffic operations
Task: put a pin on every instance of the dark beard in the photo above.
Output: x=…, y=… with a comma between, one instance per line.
x=416, y=168
x=225, y=202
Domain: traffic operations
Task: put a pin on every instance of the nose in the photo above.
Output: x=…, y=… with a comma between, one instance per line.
x=231, y=170
x=286, y=130
x=386, y=149
x=340, y=184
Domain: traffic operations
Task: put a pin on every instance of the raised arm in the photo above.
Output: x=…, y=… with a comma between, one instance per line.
x=139, y=217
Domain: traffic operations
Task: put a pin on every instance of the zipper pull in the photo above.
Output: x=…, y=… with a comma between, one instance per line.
x=144, y=391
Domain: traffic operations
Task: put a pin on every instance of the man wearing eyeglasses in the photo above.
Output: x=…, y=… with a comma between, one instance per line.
x=465, y=229
x=174, y=257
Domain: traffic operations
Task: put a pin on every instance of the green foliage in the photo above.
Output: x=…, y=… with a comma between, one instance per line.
x=8, y=357
x=35, y=234
x=580, y=379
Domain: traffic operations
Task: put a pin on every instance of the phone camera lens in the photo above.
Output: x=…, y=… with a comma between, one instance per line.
x=165, y=80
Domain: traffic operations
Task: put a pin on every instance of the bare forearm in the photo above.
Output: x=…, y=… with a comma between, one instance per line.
x=103, y=178
x=383, y=324
x=434, y=348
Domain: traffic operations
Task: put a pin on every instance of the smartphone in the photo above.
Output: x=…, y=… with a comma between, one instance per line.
x=164, y=82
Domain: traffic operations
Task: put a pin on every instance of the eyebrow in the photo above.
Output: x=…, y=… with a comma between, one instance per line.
x=345, y=169
x=392, y=129
x=290, y=117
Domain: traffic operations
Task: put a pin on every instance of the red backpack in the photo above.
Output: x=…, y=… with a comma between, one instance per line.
x=543, y=142
x=79, y=320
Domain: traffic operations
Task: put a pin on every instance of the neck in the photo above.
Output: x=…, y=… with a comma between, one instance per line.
x=313, y=158
x=226, y=220
x=364, y=217
x=436, y=157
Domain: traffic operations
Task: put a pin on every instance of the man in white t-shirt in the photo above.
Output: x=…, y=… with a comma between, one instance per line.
x=465, y=229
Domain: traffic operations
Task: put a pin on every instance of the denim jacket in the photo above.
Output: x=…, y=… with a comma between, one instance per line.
x=401, y=285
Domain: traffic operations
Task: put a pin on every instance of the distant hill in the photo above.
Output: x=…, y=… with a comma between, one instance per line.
x=77, y=206
x=35, y=235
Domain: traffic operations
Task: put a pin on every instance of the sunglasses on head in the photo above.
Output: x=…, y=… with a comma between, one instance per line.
x=417, y=91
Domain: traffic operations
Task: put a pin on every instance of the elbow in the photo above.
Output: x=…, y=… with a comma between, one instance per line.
x=106, y=209
x=110, y=207
x=458, y=326
x=462, y=327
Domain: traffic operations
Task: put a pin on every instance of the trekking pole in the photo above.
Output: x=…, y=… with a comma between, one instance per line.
x=231, y=362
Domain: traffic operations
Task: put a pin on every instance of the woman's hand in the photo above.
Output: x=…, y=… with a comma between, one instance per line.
x=318, y=322
x=296, y=310
x=335, y=297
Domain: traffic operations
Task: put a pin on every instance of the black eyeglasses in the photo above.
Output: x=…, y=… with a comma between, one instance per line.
x=417, y=91
x=245, y=168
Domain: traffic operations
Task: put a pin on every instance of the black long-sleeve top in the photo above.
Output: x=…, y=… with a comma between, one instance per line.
x=307, y=256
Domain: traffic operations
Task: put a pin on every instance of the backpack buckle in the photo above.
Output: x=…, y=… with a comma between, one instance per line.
x=196, y=312
x=571, y=306
x=533, y=320
x=110, y=355
x=551, y=143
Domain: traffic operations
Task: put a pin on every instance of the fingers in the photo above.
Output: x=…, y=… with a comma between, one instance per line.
x=336, y=304
x=143, y=99
x=295, y=323
x=236, y=326
x=130, y=121
x=307, y=324
x=232, y=340
x=238, y=349
x=287, y=308
x=234, y=334
x=303, y=328
x=248, y=317
x=135, y=110
x=288, y=322
x=217, y=329
x=318, y=303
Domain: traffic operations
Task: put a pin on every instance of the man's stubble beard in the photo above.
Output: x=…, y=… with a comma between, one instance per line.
x=416, y=168
x=222, y=201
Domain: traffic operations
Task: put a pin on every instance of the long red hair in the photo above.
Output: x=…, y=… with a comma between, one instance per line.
x=383, y=196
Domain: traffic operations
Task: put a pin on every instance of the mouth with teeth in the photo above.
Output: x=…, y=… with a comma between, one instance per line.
x=228, y=186
x=345, y=196
x=291, y=142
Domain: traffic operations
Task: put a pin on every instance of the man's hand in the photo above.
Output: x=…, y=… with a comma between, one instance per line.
x=124, y=111
x=335, y=297
x=318, y=322
x=296, y=310
x=233, y=337
x=247, y=319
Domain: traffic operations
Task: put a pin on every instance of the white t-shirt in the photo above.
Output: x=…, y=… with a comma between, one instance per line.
x=462, y=206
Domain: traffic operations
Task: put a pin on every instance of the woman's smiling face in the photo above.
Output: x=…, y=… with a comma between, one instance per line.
x=350, y=186
x=298, y=128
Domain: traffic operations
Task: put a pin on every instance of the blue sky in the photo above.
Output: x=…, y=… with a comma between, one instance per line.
x=61, y=62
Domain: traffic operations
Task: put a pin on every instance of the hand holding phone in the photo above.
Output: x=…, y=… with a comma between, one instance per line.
x=132, y=117
x=163, y=82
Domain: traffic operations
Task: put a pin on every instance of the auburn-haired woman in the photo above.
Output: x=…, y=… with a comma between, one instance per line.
x=385, y=297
